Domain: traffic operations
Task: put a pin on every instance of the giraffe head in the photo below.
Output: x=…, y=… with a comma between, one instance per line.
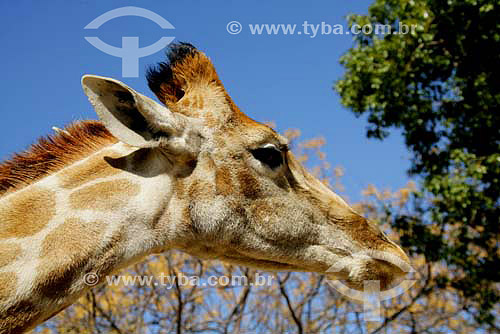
x=237, y=193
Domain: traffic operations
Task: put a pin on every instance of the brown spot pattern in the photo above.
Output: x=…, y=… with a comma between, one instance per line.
x=223, y=181
x=200, y=104
x=249, y=186
x=179, y=188
x=104, y=196
x=262, y=209
x=18, y=318
x=97, y=167
x=26, y=213
x=65, y=251
x=72, y=238
x=8, y=284
x=200, y=189
x=210, y=120
x=8, y=253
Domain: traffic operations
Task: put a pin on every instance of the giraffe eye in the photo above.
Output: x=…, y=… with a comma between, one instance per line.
x=270, y=156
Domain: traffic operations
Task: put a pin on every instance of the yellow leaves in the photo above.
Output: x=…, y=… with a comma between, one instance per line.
x=338, y=171
x=435, y=230
x=44, y=331
x=302, y=158
x=198, y=299
x=418, y=261
x=398, y=198
x=476, y=253
x=411, y=186
x=157, y=266
x=313, y=143
x=322, y=156
x=415, y=308
x=292, y=134
x=402, y=195
x=370, y=190
x=79, y=311
x=454, y=324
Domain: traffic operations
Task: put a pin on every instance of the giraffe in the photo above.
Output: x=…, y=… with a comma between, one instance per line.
x=193, y=173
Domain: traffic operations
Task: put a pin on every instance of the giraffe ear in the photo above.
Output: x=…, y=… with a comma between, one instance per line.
x=132, y=117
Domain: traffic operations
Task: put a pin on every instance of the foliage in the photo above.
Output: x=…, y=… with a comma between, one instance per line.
x=440, y=84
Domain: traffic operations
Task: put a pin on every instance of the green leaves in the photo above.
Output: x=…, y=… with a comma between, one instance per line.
x=441, y=86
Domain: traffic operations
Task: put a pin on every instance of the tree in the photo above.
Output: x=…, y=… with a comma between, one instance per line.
x=440, y=84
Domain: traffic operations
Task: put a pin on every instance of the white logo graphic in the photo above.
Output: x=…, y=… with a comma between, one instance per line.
x=130, y=52
x=234, y=27
x=371, y=296
x=91, y=279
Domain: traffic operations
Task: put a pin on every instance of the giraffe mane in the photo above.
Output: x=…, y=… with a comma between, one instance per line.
x=52, y=153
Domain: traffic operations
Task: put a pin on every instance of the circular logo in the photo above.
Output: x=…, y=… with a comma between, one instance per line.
x=130, y=52
x=91, y=279
x=234, y=27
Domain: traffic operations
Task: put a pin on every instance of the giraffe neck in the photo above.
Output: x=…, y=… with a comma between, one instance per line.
x=94, y=216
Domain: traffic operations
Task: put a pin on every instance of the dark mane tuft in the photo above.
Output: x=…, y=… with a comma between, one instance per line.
x=52, y=153
x=179, y=51
x=162, y=73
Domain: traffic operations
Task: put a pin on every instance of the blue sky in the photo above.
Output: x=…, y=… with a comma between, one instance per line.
x=284, y=78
